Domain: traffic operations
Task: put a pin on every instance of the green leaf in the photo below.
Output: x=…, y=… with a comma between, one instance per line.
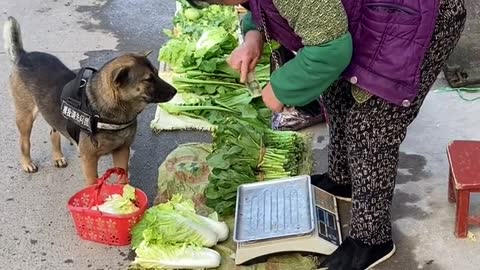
x=217, y=160
x=174, y=222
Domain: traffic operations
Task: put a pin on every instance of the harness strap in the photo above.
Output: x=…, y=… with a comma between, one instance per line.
x=75, y=106
x=81, y=117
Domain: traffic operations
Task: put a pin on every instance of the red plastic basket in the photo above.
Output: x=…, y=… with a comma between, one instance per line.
x=100, y=227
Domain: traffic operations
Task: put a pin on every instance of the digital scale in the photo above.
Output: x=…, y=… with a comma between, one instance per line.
x=286, y=215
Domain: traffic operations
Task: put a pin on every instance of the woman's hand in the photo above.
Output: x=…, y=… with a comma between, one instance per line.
x=271, y=100
x=246, y=56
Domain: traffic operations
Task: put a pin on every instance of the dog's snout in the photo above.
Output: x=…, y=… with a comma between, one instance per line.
x=171, y=92
x=163, y=92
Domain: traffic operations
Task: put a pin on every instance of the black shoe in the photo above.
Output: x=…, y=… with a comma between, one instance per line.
x=341, y=258
x=341, y=192
x=366, y=257
x=354, y=255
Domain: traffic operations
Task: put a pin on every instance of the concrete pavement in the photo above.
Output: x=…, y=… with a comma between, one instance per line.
x=36, y=231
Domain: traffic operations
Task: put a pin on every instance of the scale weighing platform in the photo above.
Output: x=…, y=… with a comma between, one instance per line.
x=286, y=215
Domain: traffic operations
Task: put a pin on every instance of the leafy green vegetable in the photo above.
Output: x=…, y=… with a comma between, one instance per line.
x=218, y=82
x=119, y=204
x=193, y=23
x=203, y=54
x=267, y=52
x=215, y=109
x=213, y=42
x=245, y=151
x=165, y=223
x=200, y=38
x=178, y=53
x=173, y=236
x=176, y=222
x=203, y=85
x=245, y=148
x=167, y=256
x=192, y=14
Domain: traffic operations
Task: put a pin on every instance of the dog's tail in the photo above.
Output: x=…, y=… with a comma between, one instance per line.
x=13, y=39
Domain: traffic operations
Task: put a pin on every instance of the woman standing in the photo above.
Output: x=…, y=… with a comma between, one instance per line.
x=398, y=52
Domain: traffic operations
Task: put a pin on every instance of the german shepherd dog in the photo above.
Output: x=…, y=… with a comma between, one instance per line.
x=119, y=91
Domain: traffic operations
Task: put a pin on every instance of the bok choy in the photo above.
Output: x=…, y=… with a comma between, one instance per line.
x=173, y=236
x=175, y=257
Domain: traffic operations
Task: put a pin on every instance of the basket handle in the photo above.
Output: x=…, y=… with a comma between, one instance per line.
x=104, y=179
x=108, y=174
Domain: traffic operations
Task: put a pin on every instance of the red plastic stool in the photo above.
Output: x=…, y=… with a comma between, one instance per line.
x=464, y=178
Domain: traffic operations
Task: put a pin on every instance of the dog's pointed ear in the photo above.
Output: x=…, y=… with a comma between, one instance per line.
x=146, y=53
x=120, y=76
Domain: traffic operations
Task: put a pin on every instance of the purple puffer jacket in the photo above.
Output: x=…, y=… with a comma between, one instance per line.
x=390, y=39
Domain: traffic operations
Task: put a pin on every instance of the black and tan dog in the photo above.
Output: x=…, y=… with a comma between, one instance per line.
x=117, y=92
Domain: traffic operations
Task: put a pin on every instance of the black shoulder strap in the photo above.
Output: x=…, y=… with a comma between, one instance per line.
x=75, y=107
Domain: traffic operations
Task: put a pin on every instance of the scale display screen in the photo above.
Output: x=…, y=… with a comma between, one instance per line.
x=327, y=226
x=326, y=212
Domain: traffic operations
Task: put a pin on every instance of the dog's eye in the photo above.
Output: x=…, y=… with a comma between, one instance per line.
x=149, y=79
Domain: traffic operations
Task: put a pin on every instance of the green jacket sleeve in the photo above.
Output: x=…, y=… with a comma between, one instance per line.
x=247, y=23
x=312, y=71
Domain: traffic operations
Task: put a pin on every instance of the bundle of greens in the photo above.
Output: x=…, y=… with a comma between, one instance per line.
x=246, y=152
x=271, y=154
x=204, y=54
x=222, y=80
x=215, y=109
x=190, y=22
x=200, y=38
x=200, y=44
x=173, y=236
x=289, y=145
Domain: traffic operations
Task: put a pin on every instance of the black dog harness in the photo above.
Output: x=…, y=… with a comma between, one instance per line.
x=77, y=110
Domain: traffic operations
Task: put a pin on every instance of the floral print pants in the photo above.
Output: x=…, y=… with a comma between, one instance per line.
x=365, y=137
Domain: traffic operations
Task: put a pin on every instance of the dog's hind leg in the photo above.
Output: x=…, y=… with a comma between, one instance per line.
x=26, y=111
x=25, y=119
x=57, y=154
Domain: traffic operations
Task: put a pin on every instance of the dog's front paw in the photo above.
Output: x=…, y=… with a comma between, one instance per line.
x=60, y=163
x=30, y=167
